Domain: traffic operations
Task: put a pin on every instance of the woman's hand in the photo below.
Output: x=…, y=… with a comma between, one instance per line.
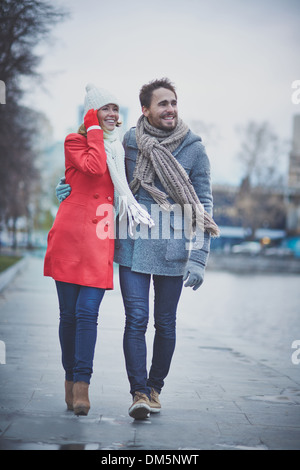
x=91, y=120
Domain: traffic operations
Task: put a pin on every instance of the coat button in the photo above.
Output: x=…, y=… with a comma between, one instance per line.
x=95, y=221
x=96, y=196
x=109, y=198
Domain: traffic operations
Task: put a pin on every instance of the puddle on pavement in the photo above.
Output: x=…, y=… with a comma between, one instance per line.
x=237, y=355
x=215, y=348
x=287, y=396
x=241, y=447
x=10, y=444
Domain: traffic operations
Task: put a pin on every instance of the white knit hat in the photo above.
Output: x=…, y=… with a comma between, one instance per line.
x=95, y=98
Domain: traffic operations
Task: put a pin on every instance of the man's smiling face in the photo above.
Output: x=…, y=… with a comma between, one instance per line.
x=163, y=112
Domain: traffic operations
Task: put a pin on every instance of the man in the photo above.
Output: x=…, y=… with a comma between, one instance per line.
x=169, y=173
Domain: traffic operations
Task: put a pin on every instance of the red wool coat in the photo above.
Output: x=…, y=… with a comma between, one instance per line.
x=80, y=247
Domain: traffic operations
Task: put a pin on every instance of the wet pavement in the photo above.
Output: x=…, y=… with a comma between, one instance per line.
x=234, y=382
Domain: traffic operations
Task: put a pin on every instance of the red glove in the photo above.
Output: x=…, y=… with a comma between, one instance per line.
x=91, y=119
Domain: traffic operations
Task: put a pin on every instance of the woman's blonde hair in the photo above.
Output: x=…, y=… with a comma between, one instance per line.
x=82, y=129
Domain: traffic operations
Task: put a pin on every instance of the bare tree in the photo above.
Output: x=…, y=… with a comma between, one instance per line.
x=23, y=25
x=261, y=155
x=260, y=202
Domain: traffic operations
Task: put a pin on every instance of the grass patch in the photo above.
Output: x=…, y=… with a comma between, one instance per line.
x=7, y=261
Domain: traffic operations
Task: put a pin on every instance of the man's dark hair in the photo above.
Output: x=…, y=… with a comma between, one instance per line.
x=147, y=90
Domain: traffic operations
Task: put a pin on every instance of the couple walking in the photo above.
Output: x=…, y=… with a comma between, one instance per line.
x=165, y=165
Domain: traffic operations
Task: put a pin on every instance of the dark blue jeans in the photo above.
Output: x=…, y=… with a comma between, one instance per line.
x=135, y=291
x=79, y=307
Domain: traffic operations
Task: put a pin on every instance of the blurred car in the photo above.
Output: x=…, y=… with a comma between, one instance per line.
x=279, y=251
x=251, y=248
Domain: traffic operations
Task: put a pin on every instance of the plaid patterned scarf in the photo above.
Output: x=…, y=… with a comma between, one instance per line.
x=155, y=159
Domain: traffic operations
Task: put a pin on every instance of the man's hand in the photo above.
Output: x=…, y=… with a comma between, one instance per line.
x=62, y=190
x=193, y=274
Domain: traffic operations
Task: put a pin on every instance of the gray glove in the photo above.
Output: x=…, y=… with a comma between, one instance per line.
x=62, y=190
x=193, y=274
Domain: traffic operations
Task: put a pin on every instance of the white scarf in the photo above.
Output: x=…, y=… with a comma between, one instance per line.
x=124, y=200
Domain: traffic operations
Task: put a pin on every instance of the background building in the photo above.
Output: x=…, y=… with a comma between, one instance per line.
x=293, y=190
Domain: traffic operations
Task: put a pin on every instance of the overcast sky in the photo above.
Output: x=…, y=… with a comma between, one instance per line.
x=232, y=61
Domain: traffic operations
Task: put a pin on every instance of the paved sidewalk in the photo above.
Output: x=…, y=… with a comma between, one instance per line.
x=222, y=393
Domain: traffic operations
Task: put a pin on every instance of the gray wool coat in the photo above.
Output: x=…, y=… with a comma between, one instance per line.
x=166, y=248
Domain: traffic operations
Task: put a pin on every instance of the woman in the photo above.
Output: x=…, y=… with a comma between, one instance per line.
x=80, y=247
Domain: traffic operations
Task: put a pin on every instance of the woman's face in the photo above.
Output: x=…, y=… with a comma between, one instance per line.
x=108, y=116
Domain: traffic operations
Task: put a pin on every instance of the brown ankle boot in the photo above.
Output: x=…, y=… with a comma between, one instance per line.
x=81, y=403
x=69, y=394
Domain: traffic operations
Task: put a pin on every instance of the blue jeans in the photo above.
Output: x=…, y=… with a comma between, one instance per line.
x=79, y=307
x=135, y=291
